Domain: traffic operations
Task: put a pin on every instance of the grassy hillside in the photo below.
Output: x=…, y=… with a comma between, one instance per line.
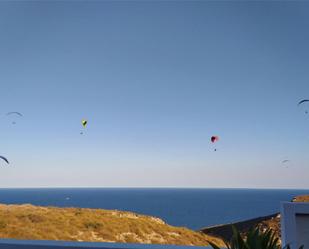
x=76, y=224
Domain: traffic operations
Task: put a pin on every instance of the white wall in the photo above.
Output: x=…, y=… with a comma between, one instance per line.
x=302, y=229
x=295, y=224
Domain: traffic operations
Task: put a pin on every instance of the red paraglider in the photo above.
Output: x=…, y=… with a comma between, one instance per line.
x=214, y=139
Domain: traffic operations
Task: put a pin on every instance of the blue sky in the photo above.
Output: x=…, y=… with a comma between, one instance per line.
x=155, y=80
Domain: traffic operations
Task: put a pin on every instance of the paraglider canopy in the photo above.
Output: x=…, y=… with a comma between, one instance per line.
x=3, y=158
x=17, y=113
x=84, y=123
x=214, y=139
x=302, y=101
x=286, y=163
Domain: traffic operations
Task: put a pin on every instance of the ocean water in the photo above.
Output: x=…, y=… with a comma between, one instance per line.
x=192, y=208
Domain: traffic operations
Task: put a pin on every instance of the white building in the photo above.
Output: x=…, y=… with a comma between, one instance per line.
x=295, y=224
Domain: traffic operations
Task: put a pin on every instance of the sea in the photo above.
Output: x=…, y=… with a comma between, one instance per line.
x=191, y=208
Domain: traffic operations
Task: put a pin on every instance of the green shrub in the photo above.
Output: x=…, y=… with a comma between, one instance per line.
x=254, y=239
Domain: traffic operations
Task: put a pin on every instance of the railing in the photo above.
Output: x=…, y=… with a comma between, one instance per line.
x=41, y=244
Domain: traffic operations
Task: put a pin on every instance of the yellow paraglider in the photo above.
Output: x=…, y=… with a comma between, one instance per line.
x=84, y=123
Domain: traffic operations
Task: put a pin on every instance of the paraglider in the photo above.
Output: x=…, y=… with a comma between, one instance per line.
x=214, y=139
x=3, y=158
x=14, y=114
x=303, y=101
x=286, y=162
x=84, y=124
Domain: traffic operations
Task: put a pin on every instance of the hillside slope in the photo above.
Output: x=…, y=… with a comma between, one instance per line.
x=96, y=225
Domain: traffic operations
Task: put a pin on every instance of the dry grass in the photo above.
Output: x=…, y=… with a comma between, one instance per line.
x=301, y=198
x=96, y=225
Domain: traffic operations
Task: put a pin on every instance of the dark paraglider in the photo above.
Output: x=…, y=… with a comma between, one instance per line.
x=3, y=158
x=14, y=114
x=303, y=101
x=17, y=113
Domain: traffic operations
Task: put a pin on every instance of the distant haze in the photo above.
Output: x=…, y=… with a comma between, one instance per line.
x=155, y=80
